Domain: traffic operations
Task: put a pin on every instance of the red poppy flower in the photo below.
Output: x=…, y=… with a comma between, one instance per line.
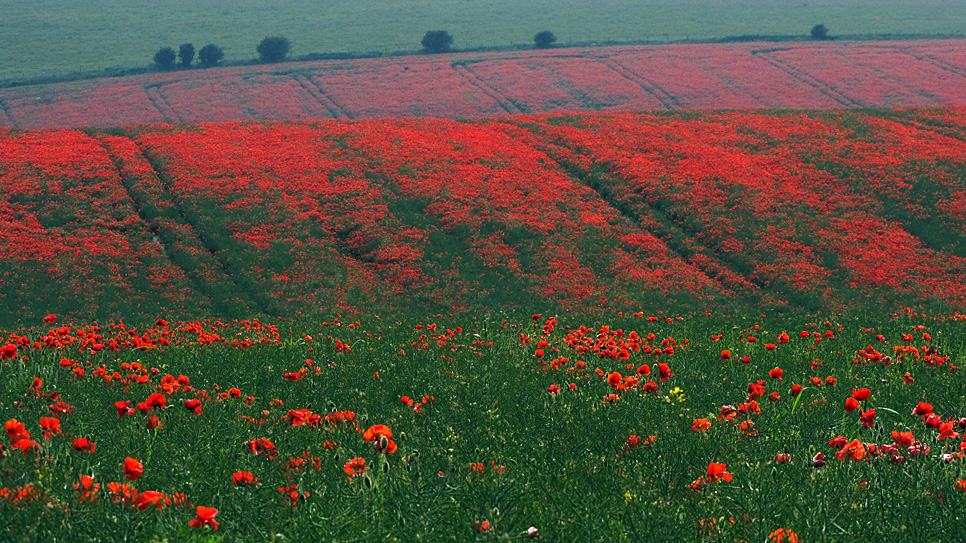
x=717, y=472
x=82, y=444
x=783, y=458
x=156, y=400
x=664, y=371
x=356, y=466
x=86, y=488
x=776, y=373
x=905, y=439
x=774, y=397
x=907, y=379
x=783, y=535
x=922, y=408
x=861, y=394
x=124, y=408
x=50, y=425
x=855, y=450
x=154, y=423
x=818, y=460
x=193, y=405
x=8, y=351
x=616, y=381
x=16, y=430
x=384, y=445
x=297, y=417
x=50, y=319
x=150, y=498
x=946, y=430
x=376, y=430
x=261, y=447
x=554, y=389
x=161, y=323
x=796, y=390
x=700, y=425
x=851, y=404
x=243, y=478
x=234, y=393
x=132, y=468
x=868, y=418
x=205, y=517
x=726, y=355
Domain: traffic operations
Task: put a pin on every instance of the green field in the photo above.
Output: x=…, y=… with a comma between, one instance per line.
x=60, y=36
x=499, y=426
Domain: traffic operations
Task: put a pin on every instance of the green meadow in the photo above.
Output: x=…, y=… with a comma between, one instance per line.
x=58, y=37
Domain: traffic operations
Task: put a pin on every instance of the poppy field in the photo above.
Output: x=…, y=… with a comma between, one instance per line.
x=839, y=212
x=646, y=426
x=757, y=75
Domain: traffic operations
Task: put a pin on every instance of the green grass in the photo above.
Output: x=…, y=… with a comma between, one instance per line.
x=566, y=468
x=60, y=37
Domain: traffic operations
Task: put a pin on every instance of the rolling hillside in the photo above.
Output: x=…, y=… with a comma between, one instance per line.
x=690, y=212
x=815, y=75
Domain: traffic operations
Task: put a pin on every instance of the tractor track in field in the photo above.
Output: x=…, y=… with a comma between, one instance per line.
x=668, y=237
x=505, y=103
x=937, y=62
x=319, y=95
x=161, y=104
x=170, y=243
x=812, y=81
x=664, y=97
x=239, y=292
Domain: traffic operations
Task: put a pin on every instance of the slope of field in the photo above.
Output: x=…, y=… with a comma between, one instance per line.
x=61, y=36
x=826, y=75
x=827, y=211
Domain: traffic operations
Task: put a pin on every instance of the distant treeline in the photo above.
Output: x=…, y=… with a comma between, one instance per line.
x=276, y=48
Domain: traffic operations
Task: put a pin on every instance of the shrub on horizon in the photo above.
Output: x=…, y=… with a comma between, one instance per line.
x=437, y=41
x=544, y=39
x=186, y=54
x=273, y=49
x=164, y=58
x=210, y=55
x=819, y=32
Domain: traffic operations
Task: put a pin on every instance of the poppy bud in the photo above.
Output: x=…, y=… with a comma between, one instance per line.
x=818, y=460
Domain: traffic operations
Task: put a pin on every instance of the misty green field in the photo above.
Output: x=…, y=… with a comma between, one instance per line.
x=59, y=36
